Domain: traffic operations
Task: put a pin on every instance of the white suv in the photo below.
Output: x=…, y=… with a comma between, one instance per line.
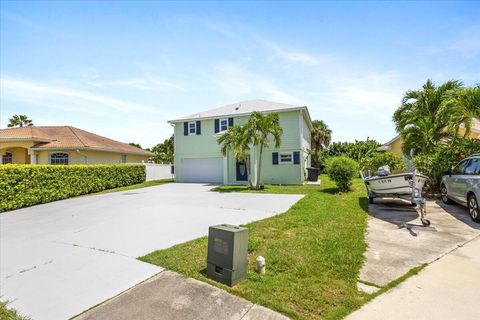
x=462, y=185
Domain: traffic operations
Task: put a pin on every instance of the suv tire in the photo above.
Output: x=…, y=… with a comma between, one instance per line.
x=445, y=198
x=473, y=208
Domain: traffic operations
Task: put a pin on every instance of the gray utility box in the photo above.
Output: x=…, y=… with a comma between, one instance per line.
x=227, y=253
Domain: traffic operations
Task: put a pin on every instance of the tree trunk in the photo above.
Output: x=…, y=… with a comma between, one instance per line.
x=247, y=167
x=259, y=168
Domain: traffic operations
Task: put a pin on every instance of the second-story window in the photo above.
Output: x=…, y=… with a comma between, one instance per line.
x=223, y=125
x=192, y=128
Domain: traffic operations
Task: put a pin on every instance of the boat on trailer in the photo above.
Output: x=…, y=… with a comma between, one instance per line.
x=408, y=186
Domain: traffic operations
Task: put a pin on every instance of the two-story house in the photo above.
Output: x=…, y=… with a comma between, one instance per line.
x=198, y=157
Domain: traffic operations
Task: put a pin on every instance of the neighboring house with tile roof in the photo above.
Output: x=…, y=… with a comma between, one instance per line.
x=64, y=145
x=198, y=156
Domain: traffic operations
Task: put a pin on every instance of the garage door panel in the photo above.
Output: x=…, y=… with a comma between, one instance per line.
x=202, y=170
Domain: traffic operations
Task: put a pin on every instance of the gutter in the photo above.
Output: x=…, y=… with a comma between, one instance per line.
x=147, y=153
x=239, y=114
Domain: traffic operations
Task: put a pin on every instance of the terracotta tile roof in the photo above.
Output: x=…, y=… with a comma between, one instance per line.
x=67, y=137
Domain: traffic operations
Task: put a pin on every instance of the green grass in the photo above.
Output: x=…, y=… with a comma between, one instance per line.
x=136, y=186
x=9, y=314
x=314, y=253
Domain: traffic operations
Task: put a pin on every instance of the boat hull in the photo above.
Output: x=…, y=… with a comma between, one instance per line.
x=395, y=184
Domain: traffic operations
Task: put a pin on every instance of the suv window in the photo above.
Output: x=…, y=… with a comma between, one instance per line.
x=460, y=168
x=473, y=167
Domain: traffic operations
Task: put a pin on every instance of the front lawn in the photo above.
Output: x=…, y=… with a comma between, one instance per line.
x=314, y=253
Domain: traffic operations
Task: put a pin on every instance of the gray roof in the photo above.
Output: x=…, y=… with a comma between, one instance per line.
x=241, y=108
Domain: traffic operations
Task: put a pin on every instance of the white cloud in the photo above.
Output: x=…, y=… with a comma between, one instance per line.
x=64, y=98
x=145, y=83
x=293, y=56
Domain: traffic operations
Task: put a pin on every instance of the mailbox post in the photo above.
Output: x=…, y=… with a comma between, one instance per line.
x=227, y=259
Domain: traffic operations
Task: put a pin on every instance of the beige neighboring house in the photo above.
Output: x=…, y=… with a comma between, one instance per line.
x=64, y=145
x=395, y=145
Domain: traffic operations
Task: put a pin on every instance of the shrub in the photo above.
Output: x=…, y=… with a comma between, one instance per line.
x=443, y=158
x=394, y=161
x=342, y=170
x=26, y=185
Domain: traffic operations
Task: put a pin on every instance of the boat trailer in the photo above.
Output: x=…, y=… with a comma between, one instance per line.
x=415, y=197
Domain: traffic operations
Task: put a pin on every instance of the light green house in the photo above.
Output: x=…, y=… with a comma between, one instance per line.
x=198, y=157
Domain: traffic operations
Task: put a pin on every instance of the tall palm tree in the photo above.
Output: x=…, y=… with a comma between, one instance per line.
x=260, y=128
x=321, y=136
x=20, y=121
x=421, y=120
x=237, y=140
x=462, y=107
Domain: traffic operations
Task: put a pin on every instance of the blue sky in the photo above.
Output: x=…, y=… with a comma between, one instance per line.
x=122, y=69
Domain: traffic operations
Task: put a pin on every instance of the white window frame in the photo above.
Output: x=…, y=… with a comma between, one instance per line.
x=123, y=158
x=284, y=154
x=50, y=158
x=194, y=128
x=220, y=125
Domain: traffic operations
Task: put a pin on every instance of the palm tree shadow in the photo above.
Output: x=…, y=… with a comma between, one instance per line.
x=458, y=212
x=398, y=212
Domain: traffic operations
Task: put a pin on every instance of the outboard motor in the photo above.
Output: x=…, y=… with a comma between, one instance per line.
x=384, y=171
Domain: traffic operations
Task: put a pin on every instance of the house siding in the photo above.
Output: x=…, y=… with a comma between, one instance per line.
x=93, y=157
x=205, y=146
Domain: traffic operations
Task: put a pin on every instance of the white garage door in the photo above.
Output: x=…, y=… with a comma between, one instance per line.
x=202, y=170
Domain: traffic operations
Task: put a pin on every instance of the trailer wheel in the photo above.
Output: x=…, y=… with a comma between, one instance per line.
x=370, y=200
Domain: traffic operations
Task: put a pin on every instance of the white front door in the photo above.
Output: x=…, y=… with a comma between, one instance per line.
x=202, y=170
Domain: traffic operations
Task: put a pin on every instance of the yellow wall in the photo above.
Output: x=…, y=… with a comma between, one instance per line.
x=19, y=155
x=93, y=157
x=396, y=146
x=473, y=134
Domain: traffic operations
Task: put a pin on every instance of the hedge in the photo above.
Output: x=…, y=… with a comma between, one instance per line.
x=26, y=185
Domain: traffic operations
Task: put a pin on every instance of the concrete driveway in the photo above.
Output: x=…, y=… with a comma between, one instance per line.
x=397, y=241
x=61, y=258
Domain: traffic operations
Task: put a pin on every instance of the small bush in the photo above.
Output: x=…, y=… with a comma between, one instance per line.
x=342, y=170
x=26, y=185
x=394, y=161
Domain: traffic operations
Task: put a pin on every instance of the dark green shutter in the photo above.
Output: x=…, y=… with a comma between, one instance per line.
x=274, y=157
x=185, y=128
x=296, y=157
x=230, y=122
x=199, y=127
x=217, y=125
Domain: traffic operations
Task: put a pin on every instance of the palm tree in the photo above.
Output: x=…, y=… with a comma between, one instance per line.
x=421, y=119
x=321, y=136
x=259, y=128
x=164, y=151
x=19, y=121
x=237, y=139
x=462, y=107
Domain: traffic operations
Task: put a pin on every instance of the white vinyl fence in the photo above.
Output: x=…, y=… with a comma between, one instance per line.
x=158, y=171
